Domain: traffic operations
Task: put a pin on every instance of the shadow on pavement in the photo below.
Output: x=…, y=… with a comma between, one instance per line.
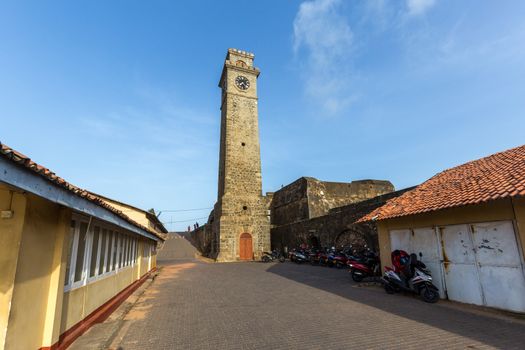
x=487, y=329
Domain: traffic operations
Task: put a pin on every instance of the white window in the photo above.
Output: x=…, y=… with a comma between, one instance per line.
x=120, y=251
x=123, y=256
x=67, y=279
x=115, y=251
x=76, y=255
x=95, y=251
x=134, y=251
x=81, y=252
x=110, y=251
x=103, y=252
x=126, y=251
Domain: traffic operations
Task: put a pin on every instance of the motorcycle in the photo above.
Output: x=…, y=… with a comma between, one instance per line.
x=314, y=256
x=364, y=266
x=272, y=256
x=301, y=256
x=411, y=275
x=323, y=257
x=291, y=255
x=338, y=260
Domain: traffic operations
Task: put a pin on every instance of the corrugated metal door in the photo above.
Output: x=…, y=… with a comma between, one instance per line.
x=459, y=265
x=424, y=241
x=400, y=239
x=480, y=263
x=500, y=265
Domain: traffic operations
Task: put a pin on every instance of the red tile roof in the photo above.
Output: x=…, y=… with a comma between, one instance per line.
x=501, y=175
x=47, y=174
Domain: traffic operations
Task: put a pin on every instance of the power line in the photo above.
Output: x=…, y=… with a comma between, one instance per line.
x=174, y=222
x=179, y=210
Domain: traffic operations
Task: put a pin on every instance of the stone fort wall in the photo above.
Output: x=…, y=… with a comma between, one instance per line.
x=308, y=198
x=336, y=228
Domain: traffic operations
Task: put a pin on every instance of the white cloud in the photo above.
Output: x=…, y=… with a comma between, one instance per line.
x=159, y=119
x=419, y=7
x=323, y=35
x=331, y=36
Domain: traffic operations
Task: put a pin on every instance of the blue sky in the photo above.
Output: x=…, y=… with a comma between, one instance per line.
x=121, y=97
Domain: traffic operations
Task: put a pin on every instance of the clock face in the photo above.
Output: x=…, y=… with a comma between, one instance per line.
x=242, y=82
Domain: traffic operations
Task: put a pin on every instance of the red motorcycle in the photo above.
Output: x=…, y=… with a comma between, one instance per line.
x=314, y=256
x=323, y=258
x=338, y=260
x=364, y=266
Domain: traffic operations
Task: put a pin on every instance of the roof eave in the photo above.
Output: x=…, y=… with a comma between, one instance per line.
x=19, y=177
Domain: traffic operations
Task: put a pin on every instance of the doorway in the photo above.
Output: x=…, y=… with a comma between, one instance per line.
x=246, y=247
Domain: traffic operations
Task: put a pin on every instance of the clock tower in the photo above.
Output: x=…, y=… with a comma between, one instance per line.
x=241, y=227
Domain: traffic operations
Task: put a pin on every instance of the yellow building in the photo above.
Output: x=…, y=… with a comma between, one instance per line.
x=468, y=223
x=143, y=217
x=67, y=257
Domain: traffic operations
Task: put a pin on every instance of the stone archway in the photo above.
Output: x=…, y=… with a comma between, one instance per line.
x=246, y=247
x=354, y=238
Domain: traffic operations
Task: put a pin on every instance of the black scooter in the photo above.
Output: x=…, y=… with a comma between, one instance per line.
x=301, y=256
x=273, y=256
x=416, y=279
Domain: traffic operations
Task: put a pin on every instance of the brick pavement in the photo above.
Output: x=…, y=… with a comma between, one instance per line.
x=193, y=305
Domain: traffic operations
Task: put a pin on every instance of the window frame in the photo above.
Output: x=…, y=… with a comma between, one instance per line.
x=97, y=255
x=73, y=264
x=125, y=254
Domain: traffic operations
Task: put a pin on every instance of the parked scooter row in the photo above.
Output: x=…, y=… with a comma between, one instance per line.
x=330, y=258
x=407, y=274
x=362, y=264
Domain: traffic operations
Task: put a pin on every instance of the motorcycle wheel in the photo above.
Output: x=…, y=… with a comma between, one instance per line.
x=339, y=265
x=356, y=277
x=389, y=289
x=429, y=295
x=281, y=259
x=265, y=259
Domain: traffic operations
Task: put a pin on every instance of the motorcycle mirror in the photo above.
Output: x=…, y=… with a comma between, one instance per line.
x=420, y=254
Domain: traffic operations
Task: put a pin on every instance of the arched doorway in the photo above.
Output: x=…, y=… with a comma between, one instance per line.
x=314, y=242
x=246, y=247
x=357, y=240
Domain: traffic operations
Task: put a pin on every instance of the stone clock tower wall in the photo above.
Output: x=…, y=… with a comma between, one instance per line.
x=241, y=228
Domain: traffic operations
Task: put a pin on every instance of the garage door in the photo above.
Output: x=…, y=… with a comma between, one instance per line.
x=424, y=241
x=459, y=265
x=500, y=267
x=479, y=263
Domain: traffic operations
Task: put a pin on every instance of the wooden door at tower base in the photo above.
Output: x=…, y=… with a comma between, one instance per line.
x=246, y=248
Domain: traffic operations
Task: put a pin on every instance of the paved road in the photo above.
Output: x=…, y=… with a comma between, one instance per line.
x=176, y=248
x=195, y=305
